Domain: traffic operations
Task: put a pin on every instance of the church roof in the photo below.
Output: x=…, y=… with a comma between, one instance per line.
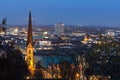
x=29, y=34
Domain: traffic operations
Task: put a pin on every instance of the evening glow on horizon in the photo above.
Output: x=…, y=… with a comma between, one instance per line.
x=73, y=12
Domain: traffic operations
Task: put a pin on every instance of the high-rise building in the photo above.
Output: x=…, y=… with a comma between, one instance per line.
x=59, y=28
x=110, y=33
x=29, y=50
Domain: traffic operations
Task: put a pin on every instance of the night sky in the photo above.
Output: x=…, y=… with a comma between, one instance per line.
x=72, y=12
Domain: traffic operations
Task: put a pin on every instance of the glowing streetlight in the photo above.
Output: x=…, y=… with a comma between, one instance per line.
x=77, y=76
x=27, y=77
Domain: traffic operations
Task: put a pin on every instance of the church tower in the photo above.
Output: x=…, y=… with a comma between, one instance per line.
x=29, y=49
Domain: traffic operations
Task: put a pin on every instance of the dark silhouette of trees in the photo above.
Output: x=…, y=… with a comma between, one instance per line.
x=104, y=60
x=2, y=26
x=38, y=71
x=13, y=67
x=67, y=70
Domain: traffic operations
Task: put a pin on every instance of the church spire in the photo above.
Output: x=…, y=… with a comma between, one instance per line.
x=30, y=50
x=29, y=34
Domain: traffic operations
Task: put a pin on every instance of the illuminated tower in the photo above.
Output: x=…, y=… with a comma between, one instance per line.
x=29, y=49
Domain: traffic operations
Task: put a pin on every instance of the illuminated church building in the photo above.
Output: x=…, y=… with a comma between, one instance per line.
x=87, y=39
x=29, y=49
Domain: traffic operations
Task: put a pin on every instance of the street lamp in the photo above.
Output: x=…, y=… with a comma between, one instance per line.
x=78, y=61
x=27, y=77
x=81, y=65
x=77, y=76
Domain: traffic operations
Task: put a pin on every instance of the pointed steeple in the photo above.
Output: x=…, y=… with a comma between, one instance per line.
x=30, y=50
x=29, y=34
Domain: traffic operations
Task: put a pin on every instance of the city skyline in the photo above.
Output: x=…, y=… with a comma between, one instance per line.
x=79, y=12
x=56, y=52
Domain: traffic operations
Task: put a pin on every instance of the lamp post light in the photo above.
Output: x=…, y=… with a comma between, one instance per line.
x=77, y=76
x=81, y=66
x=78, y=62
x=27, y=78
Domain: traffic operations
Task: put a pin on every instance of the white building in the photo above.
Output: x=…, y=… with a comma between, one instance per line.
x=43, y=45
x=110, y=33
x=59, y=28
x=117, y=34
